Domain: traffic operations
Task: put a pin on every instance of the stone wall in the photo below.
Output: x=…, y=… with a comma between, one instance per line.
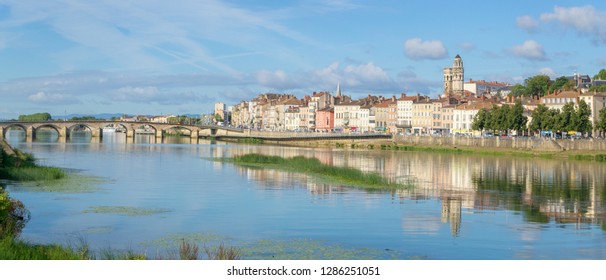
x=527, y=144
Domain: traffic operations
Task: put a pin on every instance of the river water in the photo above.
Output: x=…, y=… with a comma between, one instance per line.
x=147, y=197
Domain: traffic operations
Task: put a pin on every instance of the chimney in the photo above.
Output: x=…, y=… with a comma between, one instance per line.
x=393, y=98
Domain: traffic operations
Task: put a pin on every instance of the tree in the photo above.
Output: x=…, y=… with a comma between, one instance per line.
x=562, y=83
x=582, y=122
x=537, y=85
x=539, y=118
x=567, y=118
x=601, y=123
x=218, y=117
x=517, y=90
x=600, y=75
x=38, y=117
x=517, y=120
x=601, y=88
x=481, y=120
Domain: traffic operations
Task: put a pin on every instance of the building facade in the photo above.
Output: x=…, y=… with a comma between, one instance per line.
x=454, y=77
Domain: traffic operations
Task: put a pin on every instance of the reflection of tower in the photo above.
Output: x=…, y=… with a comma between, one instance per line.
x=454, y=77
x=451, y=213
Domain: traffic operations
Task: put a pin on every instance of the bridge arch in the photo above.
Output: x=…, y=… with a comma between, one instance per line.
x=5, y=129
x=177, y=127
x=36, y=129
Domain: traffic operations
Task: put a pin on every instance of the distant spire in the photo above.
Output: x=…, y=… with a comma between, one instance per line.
x=338, y=94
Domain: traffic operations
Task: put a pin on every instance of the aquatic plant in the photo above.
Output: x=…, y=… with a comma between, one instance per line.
x=188, y=251
x=222, y=252
x=126, y=210
x=313, y=166
x=23, y=167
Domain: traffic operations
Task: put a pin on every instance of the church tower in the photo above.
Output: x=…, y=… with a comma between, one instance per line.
x=454, y=77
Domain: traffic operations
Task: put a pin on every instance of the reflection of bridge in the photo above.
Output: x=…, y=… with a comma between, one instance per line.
x=65, y=128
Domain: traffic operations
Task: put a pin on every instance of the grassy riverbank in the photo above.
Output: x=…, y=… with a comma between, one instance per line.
x=313, y=166
x=23, y=167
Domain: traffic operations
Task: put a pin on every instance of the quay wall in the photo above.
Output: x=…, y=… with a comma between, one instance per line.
x=510, y=143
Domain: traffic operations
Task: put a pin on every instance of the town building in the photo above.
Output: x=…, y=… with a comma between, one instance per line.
x=454, y=76
x=596, y=102
x=464, y=114
x=325, y=119
x=482, y=87
x=558, y=98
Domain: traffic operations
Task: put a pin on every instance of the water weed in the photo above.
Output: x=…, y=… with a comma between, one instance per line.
x=313, y=166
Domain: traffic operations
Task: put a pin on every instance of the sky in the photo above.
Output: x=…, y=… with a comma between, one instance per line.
x=157, y=57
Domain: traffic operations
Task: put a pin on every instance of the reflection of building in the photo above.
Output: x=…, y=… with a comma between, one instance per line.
x=542, y=190
x=451, y=213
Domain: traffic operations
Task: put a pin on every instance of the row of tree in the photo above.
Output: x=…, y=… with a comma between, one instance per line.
x=500, y=119
x=570, y=118
x=38, y=117
x=540, y=85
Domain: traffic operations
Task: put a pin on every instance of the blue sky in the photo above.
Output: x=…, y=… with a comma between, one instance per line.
x=156, y=56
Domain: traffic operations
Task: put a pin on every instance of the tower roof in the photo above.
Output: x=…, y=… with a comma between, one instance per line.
x=458, y=56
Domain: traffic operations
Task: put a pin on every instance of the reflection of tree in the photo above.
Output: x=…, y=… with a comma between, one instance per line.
x=539, y=199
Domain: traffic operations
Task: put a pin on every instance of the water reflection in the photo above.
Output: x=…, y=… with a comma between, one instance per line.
x=462, y=206
x=543, y=190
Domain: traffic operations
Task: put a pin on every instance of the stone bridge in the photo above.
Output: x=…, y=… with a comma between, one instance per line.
x=65, y=128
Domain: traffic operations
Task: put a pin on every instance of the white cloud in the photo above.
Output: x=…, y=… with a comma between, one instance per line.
x=276, y=79
x=530, y=49
x=548, y=71
x=585, y=20
x=416, y=49
x=467, y=46
x=527, y=23
x=354, y=77
x=52, y=98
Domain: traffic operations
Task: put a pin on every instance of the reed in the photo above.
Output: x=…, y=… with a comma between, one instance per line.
x=368, y=180
x=222, y=252
x=188, y=251
x=14, y=249
x=31, y=173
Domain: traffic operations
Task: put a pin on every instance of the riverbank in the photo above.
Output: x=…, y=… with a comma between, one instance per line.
x=578, y=149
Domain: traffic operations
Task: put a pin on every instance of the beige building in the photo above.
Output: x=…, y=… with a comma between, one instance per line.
x=381, y=111
x=454, y=76
x=558, y=99
x=595, y=101
x=422, y=116
x=447, y=116
x=404, y=113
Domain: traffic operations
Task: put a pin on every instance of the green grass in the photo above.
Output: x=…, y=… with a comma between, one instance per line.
x=31, y=173
x=23, y=167
x=250, y=140
x=313, y=166
x=14, y=249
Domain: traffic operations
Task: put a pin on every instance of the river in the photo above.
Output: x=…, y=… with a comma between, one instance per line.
x=147, y=197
